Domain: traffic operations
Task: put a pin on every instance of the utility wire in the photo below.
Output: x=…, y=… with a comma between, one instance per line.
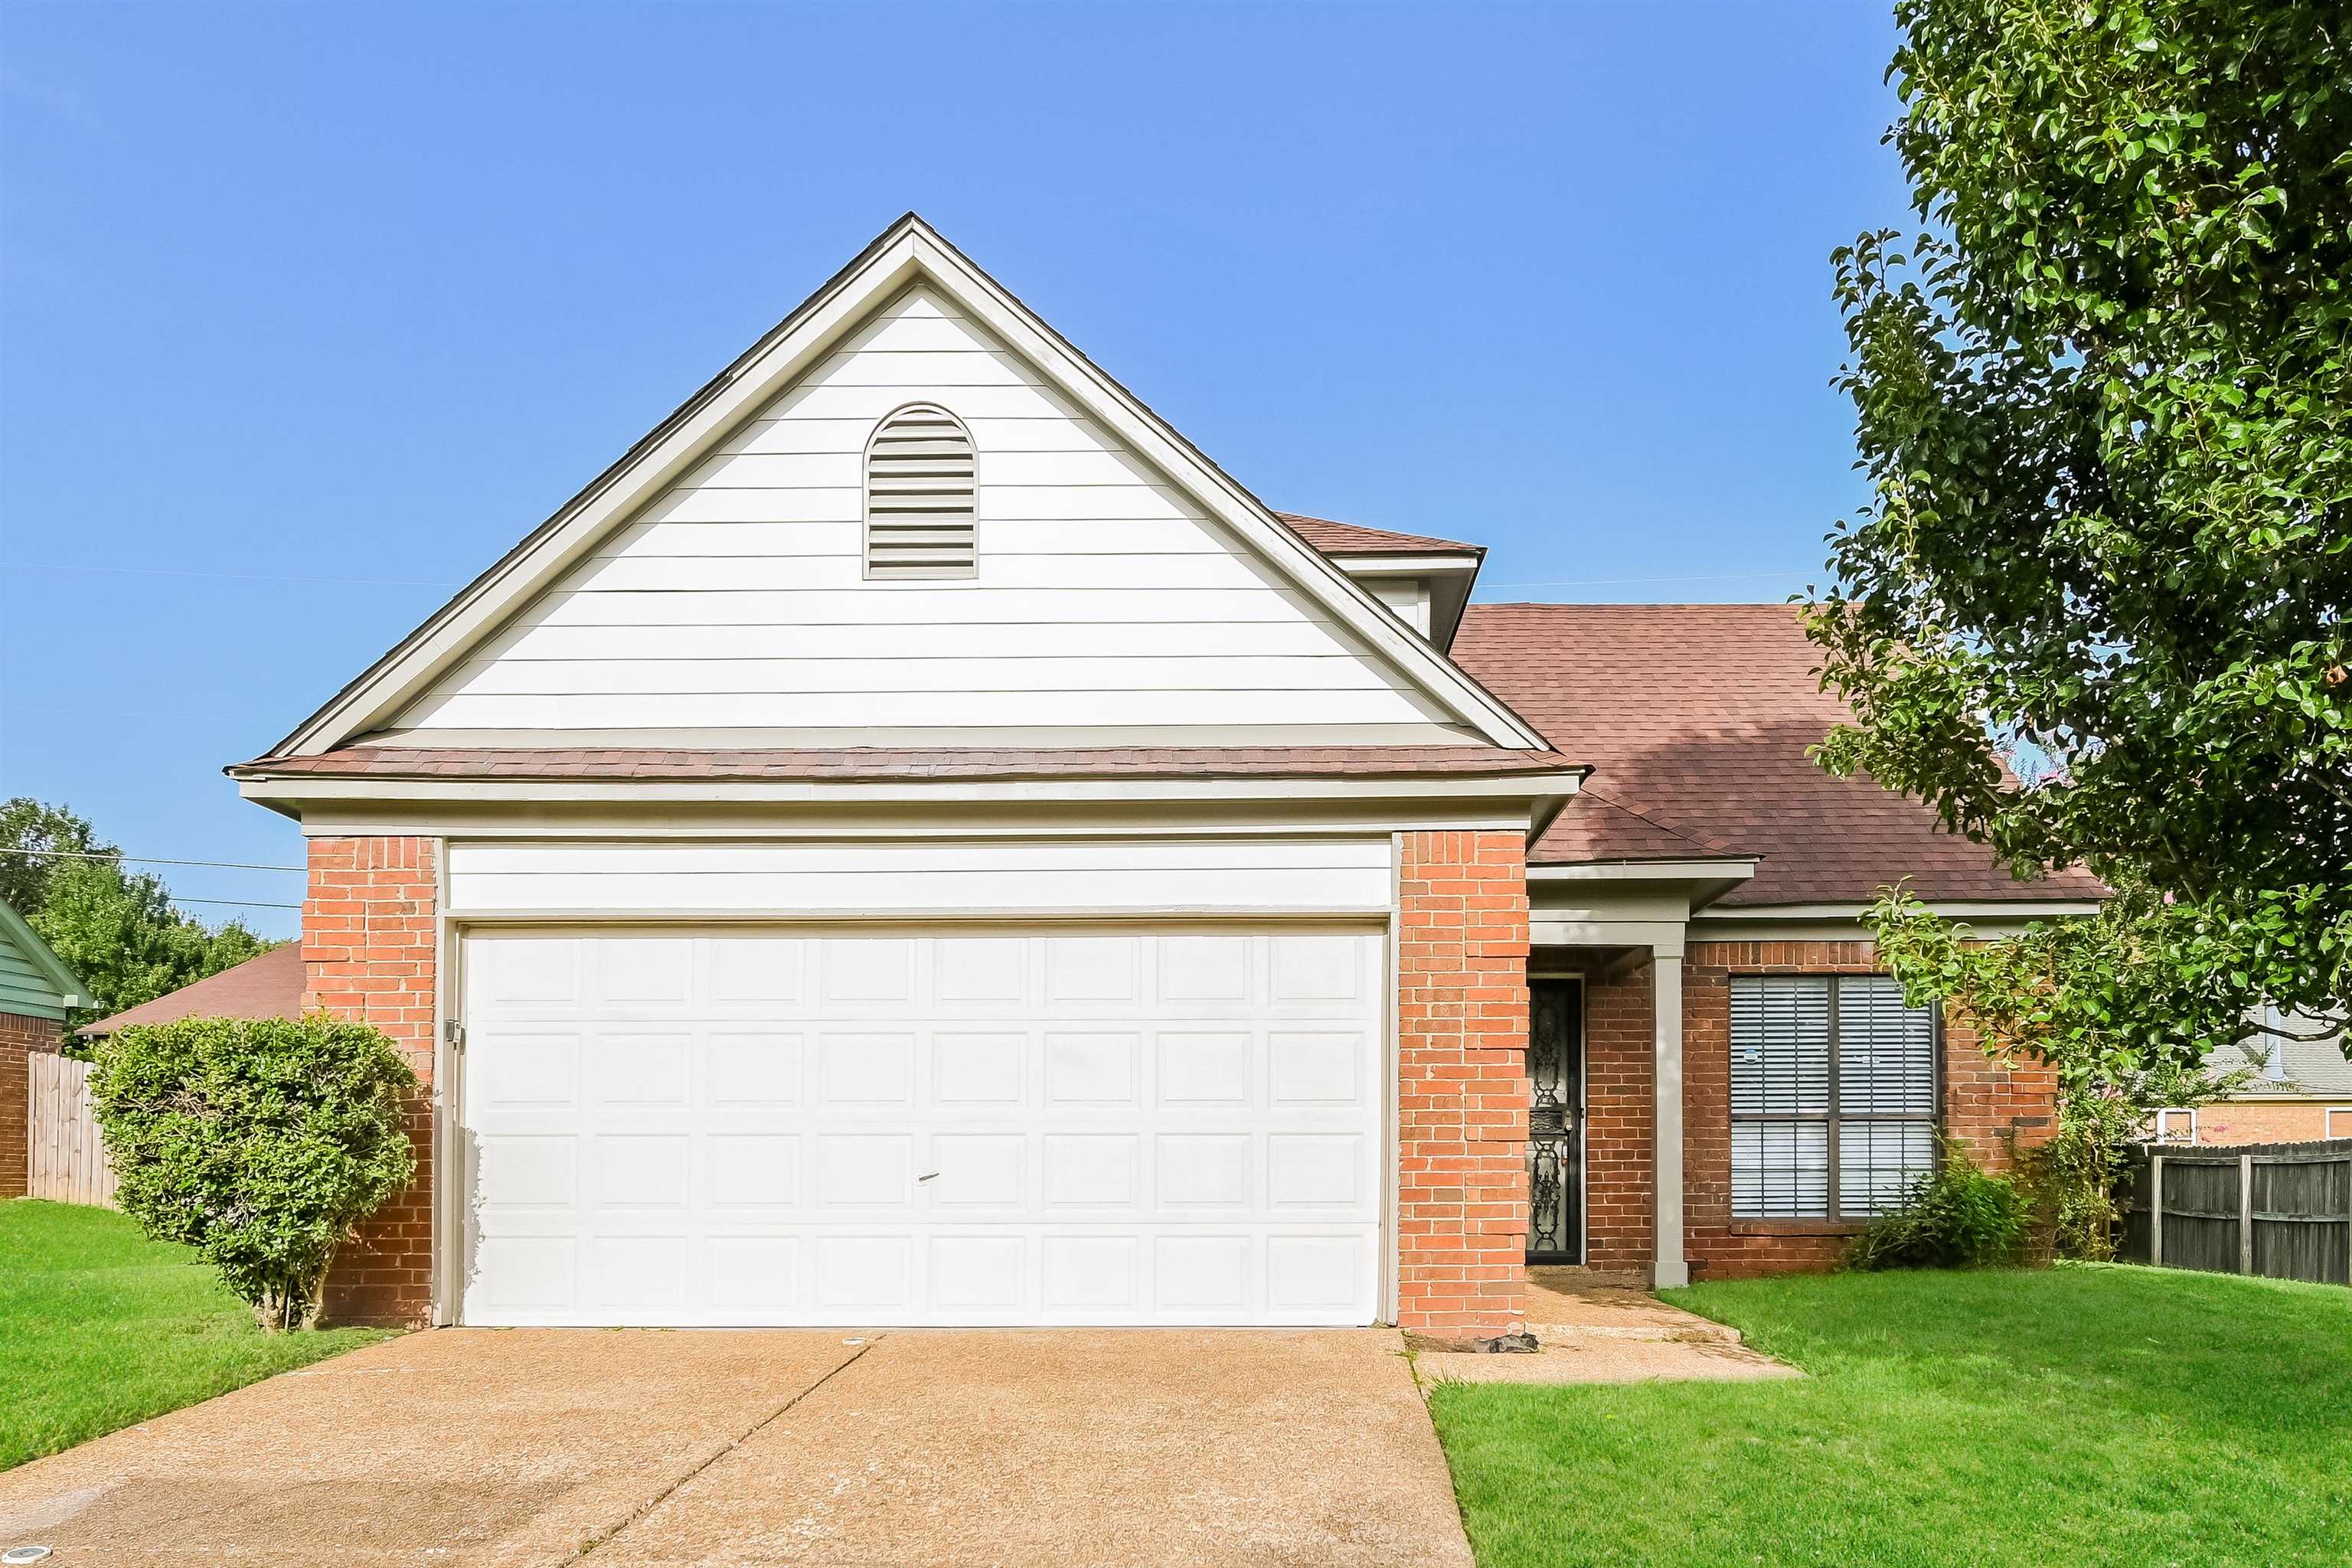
x=152, y=860
x=1629, y=582
x=237, y=903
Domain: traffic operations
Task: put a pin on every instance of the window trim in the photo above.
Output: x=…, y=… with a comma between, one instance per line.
x=1832, y=1118
x=932, y=577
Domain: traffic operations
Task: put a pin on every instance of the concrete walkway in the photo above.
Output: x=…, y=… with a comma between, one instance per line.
x=1072, y=1448
x=1609, y=1333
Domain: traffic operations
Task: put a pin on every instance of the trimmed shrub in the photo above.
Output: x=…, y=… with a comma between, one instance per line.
x=261, y=1142
x=1959, y=1216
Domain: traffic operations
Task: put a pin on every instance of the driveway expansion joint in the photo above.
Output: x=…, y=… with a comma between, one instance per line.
x=718, y=1452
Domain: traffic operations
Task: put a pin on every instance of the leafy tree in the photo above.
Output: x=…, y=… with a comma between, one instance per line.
x=117, y=929
x=2096, y=612
x=118, y=932
x=29, y=824
x=2122, y=1004
x=262, y=1143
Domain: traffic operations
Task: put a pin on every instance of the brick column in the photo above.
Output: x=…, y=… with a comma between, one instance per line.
x=20, y=1036
x=368, y=945
x=1462, y=1082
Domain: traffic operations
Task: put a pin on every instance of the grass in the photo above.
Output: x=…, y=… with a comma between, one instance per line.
x=2081, y=1414
x=100, y=1327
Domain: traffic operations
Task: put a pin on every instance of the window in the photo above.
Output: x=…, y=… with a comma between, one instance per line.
x=918, y=496
x=1833, y=1095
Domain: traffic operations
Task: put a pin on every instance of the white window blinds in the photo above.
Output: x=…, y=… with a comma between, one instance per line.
x=1834, y=1095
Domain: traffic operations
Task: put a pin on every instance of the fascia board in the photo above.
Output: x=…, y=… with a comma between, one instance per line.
x=1732, y=869
x=2017, y=909
x=564, y=539
x=907, y=251
x=1129, y=418
x=1403, y=565
x=288, y=791
x=71, y=992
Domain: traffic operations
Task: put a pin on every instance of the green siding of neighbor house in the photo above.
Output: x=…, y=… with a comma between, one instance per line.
x=33, y=984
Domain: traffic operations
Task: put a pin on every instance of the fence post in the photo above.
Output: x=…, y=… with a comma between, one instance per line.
x=2245, y=1214
x=2156, y=1210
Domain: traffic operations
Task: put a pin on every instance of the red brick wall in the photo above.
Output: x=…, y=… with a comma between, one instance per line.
x=2268, y=1121
x=19, y=1036
x=1989, y=1106
x=1620, y=1098
x=1462, y=1089
x=368, y=944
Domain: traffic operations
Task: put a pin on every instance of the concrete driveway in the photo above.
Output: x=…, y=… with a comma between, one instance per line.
x=640, y=1448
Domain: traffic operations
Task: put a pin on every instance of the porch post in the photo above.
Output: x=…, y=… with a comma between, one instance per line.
x=1666, y=1006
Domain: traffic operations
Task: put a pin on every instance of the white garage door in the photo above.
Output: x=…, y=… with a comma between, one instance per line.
x=738, y=1128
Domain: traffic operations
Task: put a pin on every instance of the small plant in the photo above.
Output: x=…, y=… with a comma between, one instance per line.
x=261, y=1143
x=1957, y=1217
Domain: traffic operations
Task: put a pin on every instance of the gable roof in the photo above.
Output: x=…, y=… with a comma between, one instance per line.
x=33, y=982
x=1349, y=539
x=907, y=252
x=269, y=986
x=1696, y=720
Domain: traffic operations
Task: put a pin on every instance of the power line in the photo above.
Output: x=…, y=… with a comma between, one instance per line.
x=238, y=903
x=153, y=860
x=1629, y=582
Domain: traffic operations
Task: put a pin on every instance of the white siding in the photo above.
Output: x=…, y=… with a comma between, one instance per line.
x=1406, y=597
x=1106, y=605
x=1333, y=875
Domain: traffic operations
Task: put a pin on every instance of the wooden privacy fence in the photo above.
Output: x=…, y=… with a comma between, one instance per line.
x=68, y=1160
x=2279, y=1210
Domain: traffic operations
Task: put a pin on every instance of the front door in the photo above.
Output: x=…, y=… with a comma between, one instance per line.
x=1556, y=1121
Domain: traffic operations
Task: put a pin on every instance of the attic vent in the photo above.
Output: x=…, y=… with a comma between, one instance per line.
x=918, y=496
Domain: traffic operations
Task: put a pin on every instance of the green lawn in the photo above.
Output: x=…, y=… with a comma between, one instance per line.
x=2096, y=1415
x=100, y=1327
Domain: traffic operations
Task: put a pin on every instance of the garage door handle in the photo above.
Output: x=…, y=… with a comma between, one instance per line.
x=926, y=1178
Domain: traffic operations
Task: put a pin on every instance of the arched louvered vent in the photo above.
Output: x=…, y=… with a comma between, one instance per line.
x=918, y=496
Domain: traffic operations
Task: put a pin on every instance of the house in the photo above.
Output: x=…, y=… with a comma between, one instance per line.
x=2300, y=1091
x=38, y=992
x=269, y=985
x=915, y=841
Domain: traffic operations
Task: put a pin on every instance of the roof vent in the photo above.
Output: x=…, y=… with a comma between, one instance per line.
x=920, y=496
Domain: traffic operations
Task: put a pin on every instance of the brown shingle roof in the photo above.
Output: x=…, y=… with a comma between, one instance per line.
x=883, y=762
x=1347, y=539
x=269, y=986
x=1697, y=718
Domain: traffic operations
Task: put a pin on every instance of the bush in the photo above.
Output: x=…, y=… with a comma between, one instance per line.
x=261, y=1143
x=1959, y=1216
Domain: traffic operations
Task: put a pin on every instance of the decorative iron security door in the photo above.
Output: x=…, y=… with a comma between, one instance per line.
x=1555, y=1122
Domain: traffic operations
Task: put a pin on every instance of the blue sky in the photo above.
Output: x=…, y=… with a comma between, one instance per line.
x=307, y=313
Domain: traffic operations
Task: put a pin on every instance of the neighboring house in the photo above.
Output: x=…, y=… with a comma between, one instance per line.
x=2300, y=1091
x=268, y=987
x=915, y=842
x=36, y=994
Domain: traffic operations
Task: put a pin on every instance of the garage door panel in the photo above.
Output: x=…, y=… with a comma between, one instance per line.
x=862, y=972
x=751, y=1069
x=1129, y=1127
x=750, y=1173
x=1092, y=1069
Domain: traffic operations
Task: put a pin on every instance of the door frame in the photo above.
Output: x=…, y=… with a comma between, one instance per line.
x=1583, y=1134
